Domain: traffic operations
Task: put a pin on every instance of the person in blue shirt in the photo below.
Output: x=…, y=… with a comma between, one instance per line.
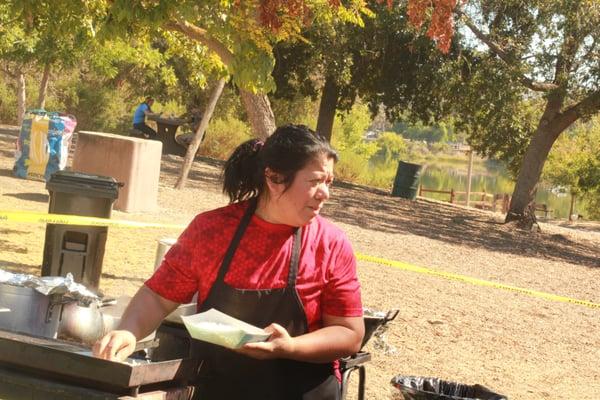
x=139, y=118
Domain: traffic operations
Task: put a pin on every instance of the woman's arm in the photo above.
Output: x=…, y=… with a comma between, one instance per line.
x=339, y=337
x=143, y=315
x=145, y=312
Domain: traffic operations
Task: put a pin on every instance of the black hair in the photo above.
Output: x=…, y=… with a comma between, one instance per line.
x=289, y=149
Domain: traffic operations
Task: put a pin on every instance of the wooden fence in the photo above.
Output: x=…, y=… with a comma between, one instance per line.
x=483, y=200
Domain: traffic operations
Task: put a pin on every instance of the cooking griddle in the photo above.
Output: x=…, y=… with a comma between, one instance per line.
x=61, y=361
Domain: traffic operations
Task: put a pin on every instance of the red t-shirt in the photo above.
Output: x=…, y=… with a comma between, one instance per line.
x=326, y=282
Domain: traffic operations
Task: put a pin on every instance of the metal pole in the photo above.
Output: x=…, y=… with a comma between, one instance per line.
x=469, y=173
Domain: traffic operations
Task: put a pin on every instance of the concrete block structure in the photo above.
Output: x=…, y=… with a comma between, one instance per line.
x=132, y=161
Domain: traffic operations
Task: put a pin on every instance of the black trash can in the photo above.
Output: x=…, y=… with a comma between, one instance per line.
x=422, y=388
x=406, y=183
x=74, y=248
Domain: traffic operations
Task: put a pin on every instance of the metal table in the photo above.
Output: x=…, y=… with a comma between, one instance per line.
x=167, y=128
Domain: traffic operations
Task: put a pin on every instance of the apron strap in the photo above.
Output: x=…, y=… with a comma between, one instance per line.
x=293, y=272
x=237, y=237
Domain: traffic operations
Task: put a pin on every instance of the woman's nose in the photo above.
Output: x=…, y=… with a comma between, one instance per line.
x=323, y=192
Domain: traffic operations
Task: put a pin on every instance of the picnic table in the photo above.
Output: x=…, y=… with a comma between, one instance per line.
x=166, y=130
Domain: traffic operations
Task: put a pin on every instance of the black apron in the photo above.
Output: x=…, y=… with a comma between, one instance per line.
x=228, y=375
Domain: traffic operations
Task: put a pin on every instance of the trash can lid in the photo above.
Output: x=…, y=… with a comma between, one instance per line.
x=84, y=184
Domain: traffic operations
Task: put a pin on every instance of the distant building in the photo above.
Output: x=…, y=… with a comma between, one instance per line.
x=460, y=147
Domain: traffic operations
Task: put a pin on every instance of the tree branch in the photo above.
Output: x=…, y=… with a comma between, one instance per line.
x=201, y=35
x=588, y=106
x=8, y=72
x=589, y=55
x=500, y=52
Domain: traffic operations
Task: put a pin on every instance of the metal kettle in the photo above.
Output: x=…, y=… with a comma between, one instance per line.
x=81, y=323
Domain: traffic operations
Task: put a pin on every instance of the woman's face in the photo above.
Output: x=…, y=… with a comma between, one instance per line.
x=304, y=198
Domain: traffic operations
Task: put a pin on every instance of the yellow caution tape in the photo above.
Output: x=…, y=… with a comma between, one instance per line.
x=64, y=219
x=474, y=281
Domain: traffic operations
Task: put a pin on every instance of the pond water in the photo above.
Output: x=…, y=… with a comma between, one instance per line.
x=489, y=177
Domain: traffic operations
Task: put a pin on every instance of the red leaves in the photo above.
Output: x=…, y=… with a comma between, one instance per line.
x=273, y=11
x=441, y=27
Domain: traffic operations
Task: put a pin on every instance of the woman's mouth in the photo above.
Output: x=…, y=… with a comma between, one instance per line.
x=315, y=209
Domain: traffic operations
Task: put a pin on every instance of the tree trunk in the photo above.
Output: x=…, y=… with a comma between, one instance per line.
x=260, y=113
x=258, y=107
x=327, y=108
x=521, y=205
x=199, y=134
x=41, y=103
x=21, y=97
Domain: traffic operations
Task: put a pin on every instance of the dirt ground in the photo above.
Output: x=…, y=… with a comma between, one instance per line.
x=521, y=346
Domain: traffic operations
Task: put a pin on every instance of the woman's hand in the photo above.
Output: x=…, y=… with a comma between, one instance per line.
x=279, y=345
x=115, y=345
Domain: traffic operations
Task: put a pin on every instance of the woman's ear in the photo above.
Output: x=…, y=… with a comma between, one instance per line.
x=274, y=182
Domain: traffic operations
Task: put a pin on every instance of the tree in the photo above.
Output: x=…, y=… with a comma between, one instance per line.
x=539, y=75
x=16, y=53
x=43, y=35
x=242, y=34
x=574, y=163
x=195, y=143
x=382, y=61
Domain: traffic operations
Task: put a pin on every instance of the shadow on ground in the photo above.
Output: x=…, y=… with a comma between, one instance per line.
x=39, y=197
x=6, y=172
x=377, y=210
x=20, y=268
x=171, y=168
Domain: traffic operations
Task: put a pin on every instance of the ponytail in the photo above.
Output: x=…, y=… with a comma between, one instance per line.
x=285, y=152
x=242, y=173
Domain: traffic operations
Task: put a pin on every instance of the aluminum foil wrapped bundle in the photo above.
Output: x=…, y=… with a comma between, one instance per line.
x=63, y=286
x=376, y=324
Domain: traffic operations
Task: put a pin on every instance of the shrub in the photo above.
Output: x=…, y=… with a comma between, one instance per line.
x=351, y=166
x=390, y=147
x=8, y=103
x=223, y=136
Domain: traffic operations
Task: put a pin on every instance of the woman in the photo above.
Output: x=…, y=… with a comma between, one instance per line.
x=269, y=259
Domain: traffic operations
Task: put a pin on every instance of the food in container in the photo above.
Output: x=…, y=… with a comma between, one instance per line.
x=215, y=327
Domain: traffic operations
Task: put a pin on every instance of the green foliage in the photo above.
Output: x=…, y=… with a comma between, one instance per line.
x=593, y=206
x=351, y=167
x=574, y=163
x=495, y=112
x=442, y=132
x=574, y=158
x=244, y=40
x=439, y=147
x=298, y=110
x=381, y=61
x=223, y=136
x=349, y=129
x=97, y=109
x=493, y=105
x=391, y=148
x=8, y=102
